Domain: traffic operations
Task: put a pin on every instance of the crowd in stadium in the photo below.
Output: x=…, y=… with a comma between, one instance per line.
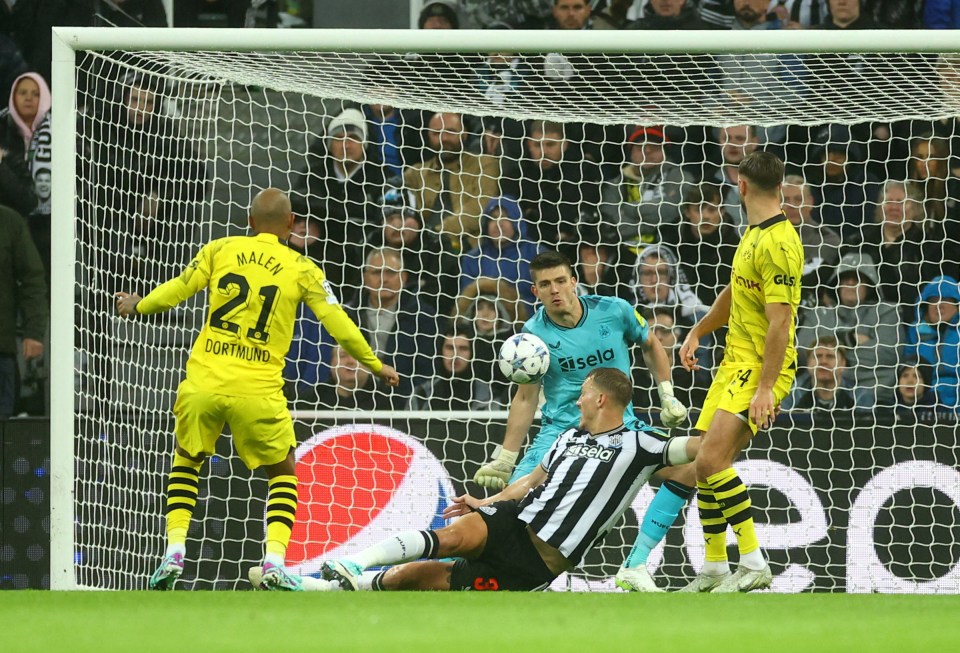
x=426, y=222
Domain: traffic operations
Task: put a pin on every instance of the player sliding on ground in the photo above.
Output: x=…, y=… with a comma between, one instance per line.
x=759, y=307
x=255, y=284
x=583, y=333
x=542, y=524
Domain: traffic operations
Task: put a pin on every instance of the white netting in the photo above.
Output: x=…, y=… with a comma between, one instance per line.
x=573, y=151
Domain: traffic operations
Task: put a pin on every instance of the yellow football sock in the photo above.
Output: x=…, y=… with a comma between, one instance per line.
x=183, y=486
x=714, y=525
x=734, y=501
x=281, y=513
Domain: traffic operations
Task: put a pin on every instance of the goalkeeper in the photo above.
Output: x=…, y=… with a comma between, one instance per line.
x=255, y=284
x=583, y=333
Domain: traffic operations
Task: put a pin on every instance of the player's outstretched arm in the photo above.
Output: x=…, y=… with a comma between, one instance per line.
x=515, y=491
x=672, y=411
x=716, y=317
x=495, y=474
x=388, y=375
x=126, y=303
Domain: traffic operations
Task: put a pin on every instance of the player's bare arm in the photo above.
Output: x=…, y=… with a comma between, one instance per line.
x=716, y=317
x=126, y=303
x=515, y=491
x=388, y=375
x=672, y=411
x=495, y=474
x=763, y=404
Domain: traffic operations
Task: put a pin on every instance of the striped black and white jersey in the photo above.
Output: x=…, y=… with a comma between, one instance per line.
x=591, y=481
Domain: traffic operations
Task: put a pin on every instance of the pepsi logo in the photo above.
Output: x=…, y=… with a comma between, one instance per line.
x=359, y=484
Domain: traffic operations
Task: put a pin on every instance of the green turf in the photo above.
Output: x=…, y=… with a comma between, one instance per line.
x=209, y=622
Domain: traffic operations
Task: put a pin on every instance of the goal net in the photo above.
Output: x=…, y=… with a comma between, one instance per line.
x=425, y=173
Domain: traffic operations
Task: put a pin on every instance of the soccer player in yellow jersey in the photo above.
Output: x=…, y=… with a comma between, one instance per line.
x=234, y=373
x=759, y=308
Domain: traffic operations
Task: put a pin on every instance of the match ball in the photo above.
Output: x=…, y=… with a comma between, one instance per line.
x=524, y=358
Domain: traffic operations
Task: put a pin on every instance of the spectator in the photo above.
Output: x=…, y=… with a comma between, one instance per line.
x=493, y=314
x=822, y=384
x=400, y=327
x=502, y=78
x=914, y=394
x=577, y=14
x=846, y=14
x=647, y=193
x=553, y=183
x=339, y=188
x=934, y=338
x=800, y=14
x=669, y=15
x=504, y=251
x=895, y=241
x=23, y=300
x=146, y=184
x=846, y=193
x=660, y=283
x=867, y=327
x=760, y=79
x=22, y=124
x=454, y=185
x=438, y=15
x=305, y=238
x=350, y=386
x=394, y=139
x=690, y=389
x=600, y=270
x=488, y=14
x=456, y=384
x=716, y=14
x=508, y=316
x=430, y=265
x=704, y=242
x=928, y=175
x=25, y=133
x=735, y=143
x=821, y=245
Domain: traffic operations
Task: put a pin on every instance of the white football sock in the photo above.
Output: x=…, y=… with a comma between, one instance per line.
x=403, y=547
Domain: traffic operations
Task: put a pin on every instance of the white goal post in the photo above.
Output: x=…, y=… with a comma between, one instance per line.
x=314, y=64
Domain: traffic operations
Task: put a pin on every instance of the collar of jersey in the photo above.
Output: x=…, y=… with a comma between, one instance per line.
x=272, y=238
x=619, y=429
x=583, y=317
x=769, y=222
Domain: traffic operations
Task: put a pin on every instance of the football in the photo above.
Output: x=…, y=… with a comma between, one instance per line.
x=524, y=358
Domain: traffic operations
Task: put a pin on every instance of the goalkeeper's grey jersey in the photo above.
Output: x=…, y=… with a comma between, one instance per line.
x=591, y=481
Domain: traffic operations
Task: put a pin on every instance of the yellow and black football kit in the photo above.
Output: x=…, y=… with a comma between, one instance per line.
x=767, y=268
x=234, y=373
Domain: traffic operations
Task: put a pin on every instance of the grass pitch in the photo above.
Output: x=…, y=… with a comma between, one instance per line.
x=552, y=622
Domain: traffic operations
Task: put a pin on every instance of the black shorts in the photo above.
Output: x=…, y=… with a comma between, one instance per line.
x=509, y=561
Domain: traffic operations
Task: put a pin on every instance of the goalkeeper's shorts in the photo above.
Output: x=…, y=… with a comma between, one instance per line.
x=261, y=426
x=733, y=389
x=509, y=561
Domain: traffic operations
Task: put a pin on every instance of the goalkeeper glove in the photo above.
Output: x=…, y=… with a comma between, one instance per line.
x=496, y=474
x=672, y=412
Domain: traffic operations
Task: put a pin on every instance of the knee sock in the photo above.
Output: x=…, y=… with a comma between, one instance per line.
x=403, y=547
x=714, y=530
x=661, y=514
x=734, y=501
x=183, y=487
x=281, y=514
